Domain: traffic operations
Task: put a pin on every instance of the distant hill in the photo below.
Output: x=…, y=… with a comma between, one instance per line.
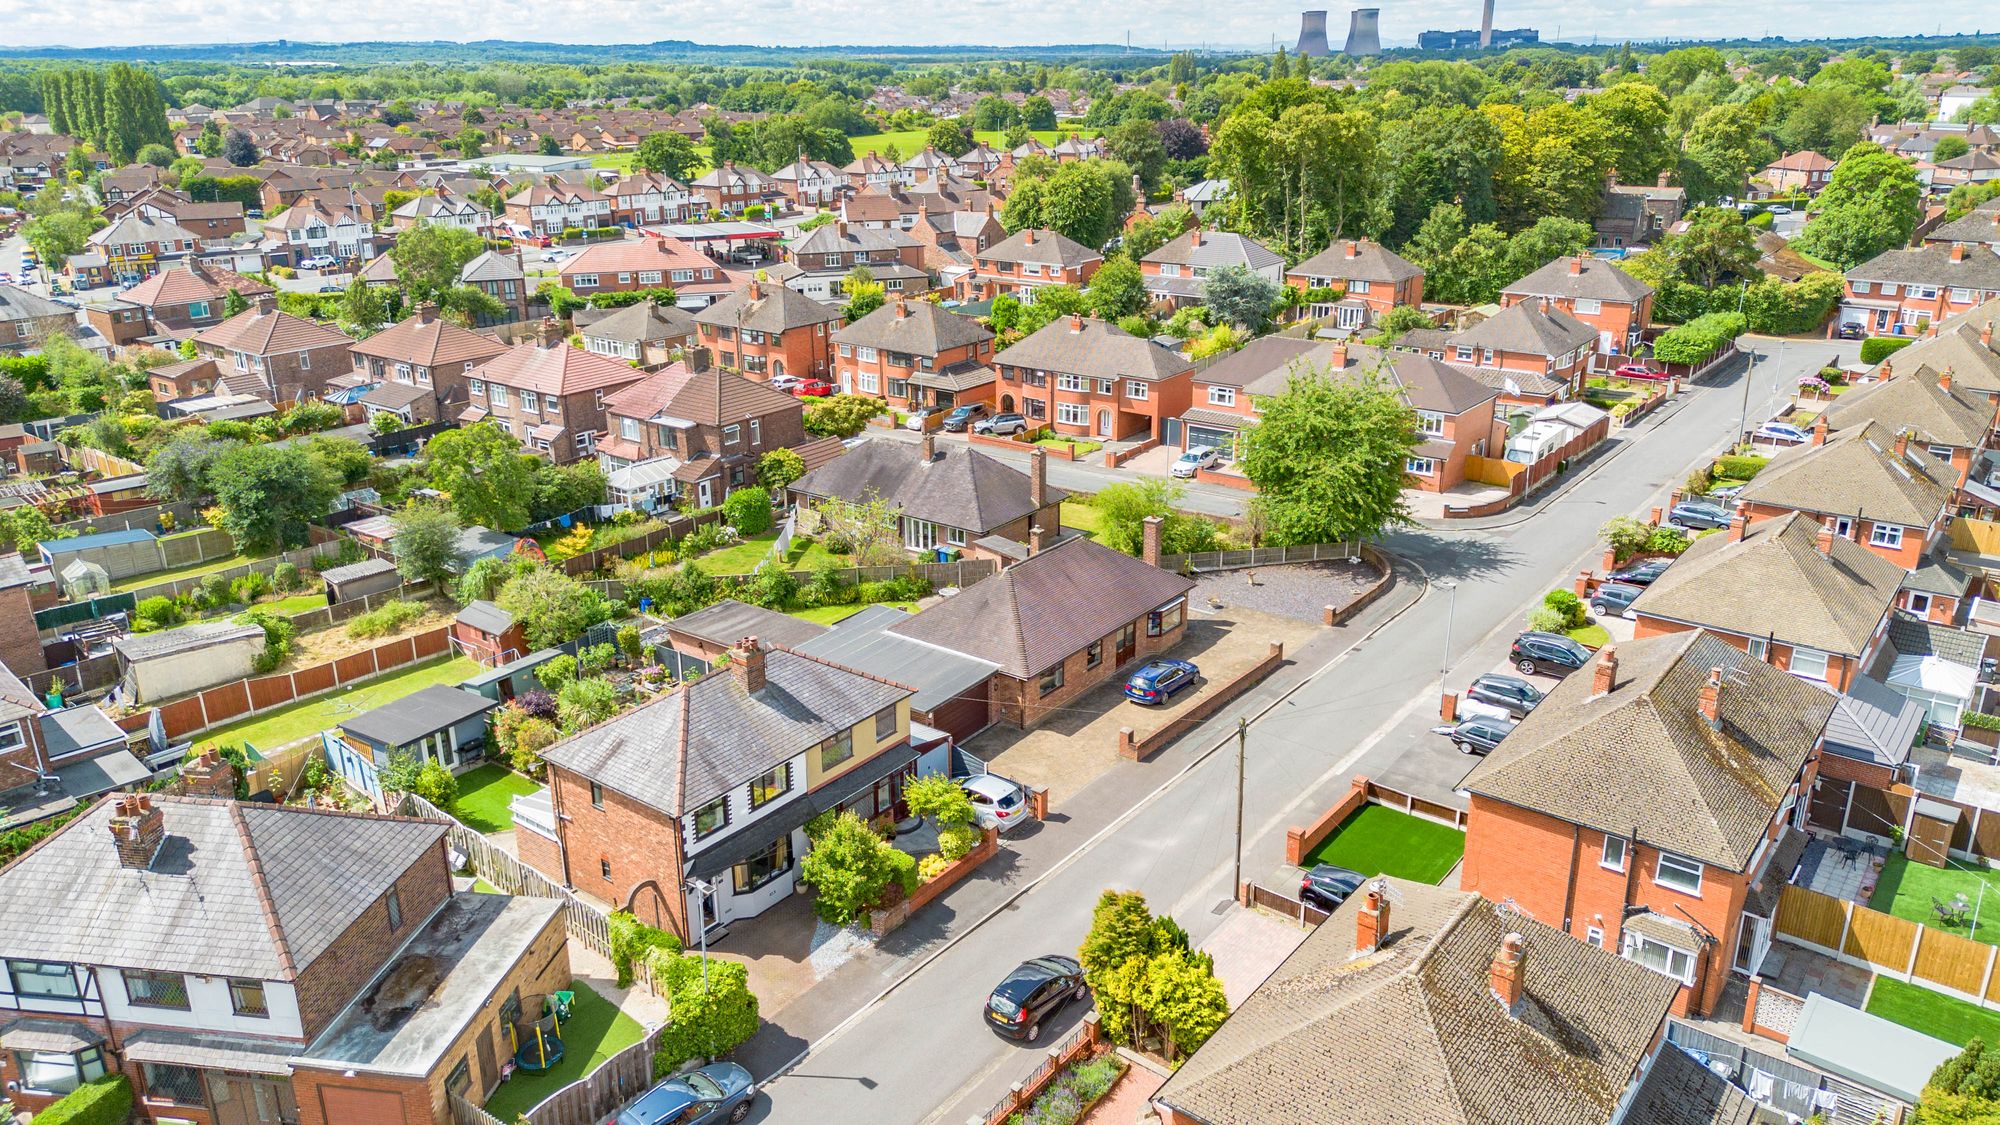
x=295, y=52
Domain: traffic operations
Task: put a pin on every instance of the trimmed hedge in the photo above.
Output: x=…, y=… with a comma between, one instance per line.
x=1740, y=466
x=1875, y=349
x=1699, y=338
x=106, y=1101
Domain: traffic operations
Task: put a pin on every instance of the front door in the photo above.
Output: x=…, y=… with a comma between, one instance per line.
x=703, y=494
x=1104, y=423
x=1128, y=642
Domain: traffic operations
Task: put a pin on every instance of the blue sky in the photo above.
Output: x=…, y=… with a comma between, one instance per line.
x=1177, y=23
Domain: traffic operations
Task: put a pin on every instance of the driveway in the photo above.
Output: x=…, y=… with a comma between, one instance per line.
x=1081, y=742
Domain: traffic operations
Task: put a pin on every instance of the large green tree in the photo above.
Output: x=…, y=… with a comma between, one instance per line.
x=1117, y=289
x=1636, y=116
x=669, y=154
x=1083, y=200
x=1553, y=160
x=1328, y=456
x=1724, y=146
x=481, y=467
x=429, y=256
x=1716, y=244
x=182, y=467
x=270, y=494
x=1869, y=205
x=426, y=543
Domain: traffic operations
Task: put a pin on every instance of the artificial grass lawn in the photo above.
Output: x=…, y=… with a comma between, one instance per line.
x=1590, y=636
x=483, y=796
x=747, y=556
x=1933, y=1013
x=594, y=1033
x=1379, y=841
x=1082, y=517
x=829, y=614
x=295, y=721
x=160, y=576
x=1906, y=890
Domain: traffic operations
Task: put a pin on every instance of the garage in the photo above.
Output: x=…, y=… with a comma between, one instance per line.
x=1212, y=428
x=962, y=716
x=351, y=1106
x=952, y=689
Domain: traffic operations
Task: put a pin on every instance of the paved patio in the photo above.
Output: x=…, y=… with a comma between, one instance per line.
x=1849, y=871
x=1248, y=947
x=1802, y=972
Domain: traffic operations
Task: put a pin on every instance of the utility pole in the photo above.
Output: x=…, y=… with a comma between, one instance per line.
x=1451, y=611
x=1242, y=733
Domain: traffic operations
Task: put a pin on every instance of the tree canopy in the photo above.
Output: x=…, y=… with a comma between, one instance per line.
x=1328, y=456
x=1870, y=205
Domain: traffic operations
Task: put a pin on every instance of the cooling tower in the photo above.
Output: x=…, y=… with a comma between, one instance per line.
x=1486, y=25
x=1312, y=35
x=1364, y=33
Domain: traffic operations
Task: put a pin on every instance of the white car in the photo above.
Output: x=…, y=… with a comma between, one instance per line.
x=1196, y=457
x=917, y=421
x=554, y=256
x=317, y=262
x=786, y=383
x=999, y=802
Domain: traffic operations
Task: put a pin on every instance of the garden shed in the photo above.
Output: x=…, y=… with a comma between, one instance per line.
x=188, y=659
x=358, y=580
x=439, y=723
x=122, y=554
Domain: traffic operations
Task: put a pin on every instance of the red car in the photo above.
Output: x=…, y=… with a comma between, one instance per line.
x=1638, y=371
x=813, y=388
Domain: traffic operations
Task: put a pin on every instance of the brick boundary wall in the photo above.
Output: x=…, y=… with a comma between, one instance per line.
x=1137, y=749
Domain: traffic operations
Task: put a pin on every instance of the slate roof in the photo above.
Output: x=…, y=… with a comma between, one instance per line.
x=1362, y=260
x=1215, y=249
x=1857, y=472
x=703, y=739
x=1096, y=349
x=1933, y=265
x=1974, y=226
x=199, y=908
x=1775, y=583
x=1598, y=279
x=767, y=308
x=642, y=323
x=729, y=621
x=1528, y=328
x=1680, y=1091
x=1035, y=613
x=422, y=712
x=1917, y=401
x=1412, y=1032
x=17, y=303
x=960, y=488
x=913, y=327
x=491, y=265
x=839, y=238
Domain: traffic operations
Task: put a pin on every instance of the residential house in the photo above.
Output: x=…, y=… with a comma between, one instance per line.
x=134, y=247
x=26, y=319
x=1952, y=422
x=1867, y=482
x=1090, y=378
x=693, y=432
x=1024, y=262
x=767, y=330
x=1177, y=273
x=1371, y=277
x=548, y=394
x=691, y=810
x=188, y=297
x=1975, y=167
x=550, y=209
x=951, y=498
x=224, y=955
x=648, y=197
x=820, y=262
x=117, y=323
x=1632, y=216
x=709, y=633
x=500, y=277
x=647, y=334
x=444, y=210
x=951, y=689
x=1596, y=292
x=1979, y=227
x=624, y=265
x=314, y=227
x=1787, y=591
x=733, y=189
x=186, y=379
x=430, y=359
x=1901, y=292
x=811, y=183
x=872, y=170
x=1533, y=352
x=1050, y=645
x=1640, y=806
x=212, y=222
x=51, y=758
x=291, y=357
x=916, y=356
x=1796, y=172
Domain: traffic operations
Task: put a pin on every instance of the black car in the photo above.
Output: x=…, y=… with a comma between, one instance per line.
x=963, y=416
x=1479, y=734
x=1035, y=990
x=1548, y=654
x=1327, y=886
x=1641, y=574
x=1854, y=332
x=1517, y=695
x=1613, y=598
x=1697, y=515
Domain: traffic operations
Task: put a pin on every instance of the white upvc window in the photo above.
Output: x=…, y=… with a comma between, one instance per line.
x=870, y=382
x=1614, y=853
x=1134, y=389
x=479, y=388
x=1588, y=305
x=530, y=402
x=584, y=281
x=1660, y=957
x=1430, y=422
x=1809, y=664
x=1462, y=354
x=1421, y=466
x=1222, y=396
x=1885, y=535
x=1357, y=286
x=498, y=395
x=1072, y=413
x=919, y=535
x=1068, y=382
x=1678, y=873
x=1919, y=604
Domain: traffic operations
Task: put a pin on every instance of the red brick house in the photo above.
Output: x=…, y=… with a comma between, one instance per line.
x=188, y=297
x=766, y=330
x=1946, y=418
x=1901, y=292
x=1868, y=483
x=732, y=189
x=914, y=355
x=1371, y=277
x=1024, y=262
x=1641, y=805
x=1598, y=293
x=648, y=197
x=704, y=426
x=1532, y=352
x=500, y=277
x=185, y=379
x=548, y=394
x=819, y=262
x=1090, y=378
x=1177, y=273
x=1806, y=171
x=550, y=209
x=429, y=354
x=292, y=357
x=649, y=263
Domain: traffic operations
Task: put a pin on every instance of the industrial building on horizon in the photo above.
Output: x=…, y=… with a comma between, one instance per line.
x=1364, y=33
x=1312, y=35
x=1482, y=38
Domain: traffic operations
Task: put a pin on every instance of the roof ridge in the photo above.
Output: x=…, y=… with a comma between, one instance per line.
x=681, y=751
x=839, y=667
x=265, y=904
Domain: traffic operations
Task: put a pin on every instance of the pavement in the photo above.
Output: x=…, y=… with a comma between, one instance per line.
x=908, y=1045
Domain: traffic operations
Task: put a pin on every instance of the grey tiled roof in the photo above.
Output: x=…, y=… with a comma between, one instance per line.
x=1035, y=613
x=1775, y=583
x=487, y=617
x=1047, y=247
x=1933, y=265
x=198, y=908
x=961, y=488
x=1957, y=346
x=1597, y=279
x=914, y=327
x=1857, y=472
x=187, y=638
x=1371, y=261
x=1412, y=1034
x=1642, y=759
x=774, y=308
x=1913, y=636
x=1094, y=348
x=1872, y=723
x=642, y=323
x=1528, y=328
x=352, y=571
x=1680, y=1091
x=424, y=711
x=729, y=621
x=1216, y=248
x=1912, y=399
x=705, y=738
x=1263, y=366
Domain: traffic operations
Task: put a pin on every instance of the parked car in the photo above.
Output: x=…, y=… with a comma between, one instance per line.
x=718, y=1092
x=963, y=416
x=1477, y=734
x=1159, y=680
x=1854, y=332
x=1001, y=424
x=330, y=287
x=1697, y=515
x=999, y=803
x=1511, y=693
x=1727, y=494
x=918, y=420
x=554, y=256
x=1639, y=371
x=1780, y=209
x=813, y=388
x=1196, y=457
x=1614, y=599
x=1641, y=574
x=785, y=382
x=1781, y=431
x=317, y=262
x=1547, y=653
x=1327, y=886
x=1037, y=988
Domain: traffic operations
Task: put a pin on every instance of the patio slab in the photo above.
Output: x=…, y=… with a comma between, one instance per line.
x=1248, y=946
x=1956, y=777
x=1848, y=872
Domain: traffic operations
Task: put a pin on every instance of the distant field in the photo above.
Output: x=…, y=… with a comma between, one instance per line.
x=908, y=143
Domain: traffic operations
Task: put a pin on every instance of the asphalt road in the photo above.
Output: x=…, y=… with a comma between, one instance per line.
x=922, y=1053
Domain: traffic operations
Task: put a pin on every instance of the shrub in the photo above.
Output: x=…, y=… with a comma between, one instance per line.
x=748, y=510
x=595, y=660
x=633, y=940
x=712, y=1014
x=1698, y=483
x=1666, y=541
x=1875, y=349
x=277, y=639
x=214, y=590
x=931, y=866
x=538, y=703
x=250, y=587
x=1566, y=603
x=285, y=576
x=1625, y=536
x=848, y=868
x=1547, y=620
x=388, y=618
x=428, y=779
x=156, y=613
x=1074, y=1091
x=957, y=841
x=556, y=672
x=940, y=800
x=1699, y=338
x=1979, y=720
x=630, y=644
x=104, y=1101
x=773, y=587
x=1742, y=466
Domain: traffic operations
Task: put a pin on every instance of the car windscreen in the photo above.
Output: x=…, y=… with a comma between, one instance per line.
x=703, y=1085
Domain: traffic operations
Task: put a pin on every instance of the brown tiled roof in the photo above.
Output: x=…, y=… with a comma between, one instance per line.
x=1528, y=328
x=1095, y=348
x=193, y=281
x=1857, y=472
x=1047, y=247
x=961, y=487
x=1642, y=759
x=1598, y=279
x=913, y=327
x=712, y=397
x=1913, y=399
x=1369, y=261
x=267, y=333
x=560, y=370
x=768, y=307
x=429, y=343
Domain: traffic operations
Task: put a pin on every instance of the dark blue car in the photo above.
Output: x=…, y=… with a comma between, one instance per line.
x=1159, y=680
x=716, y=1093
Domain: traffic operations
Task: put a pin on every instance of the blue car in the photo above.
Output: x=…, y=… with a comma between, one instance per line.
x=1159, y=680
x=716, y=1093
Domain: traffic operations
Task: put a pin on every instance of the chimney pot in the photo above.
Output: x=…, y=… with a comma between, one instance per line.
x=1504, y=978
x=266, y=303
x=1944, y=380
x=1152, y=529
x=1371, y=926
x=1819, y=429
x=1958, y=251
x=548, y=332
x=1710, y=703
x=746, y=660
x=1035, y=534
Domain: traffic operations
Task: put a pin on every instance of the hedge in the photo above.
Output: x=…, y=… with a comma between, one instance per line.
x=593, y=232
x=1771, y=306
x=1699, y=338
x=1875, y=349
x=1740, y=466
x=105, y=1101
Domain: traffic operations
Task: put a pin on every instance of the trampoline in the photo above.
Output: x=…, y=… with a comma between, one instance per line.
x=538, y=1042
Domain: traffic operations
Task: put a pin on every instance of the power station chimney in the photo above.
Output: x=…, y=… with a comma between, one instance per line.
x=1312, y=35
x=1486, y=26
x=1364, y=33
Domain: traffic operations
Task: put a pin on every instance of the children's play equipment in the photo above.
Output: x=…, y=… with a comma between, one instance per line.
x=538, y=1042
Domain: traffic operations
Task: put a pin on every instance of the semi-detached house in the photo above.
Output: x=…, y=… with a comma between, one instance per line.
x=692, y=432
x=547, y=394
x=1598, y=293
x=1373, y=279
x=291, y=356
x=425, y=362
x=916, y=356
x=1177, y=273
x=550, y=209
x=1026, y=261
x=646, y=262
x=820, y=262
x=1090, y=378
x=1900, y=292
x=766, y=330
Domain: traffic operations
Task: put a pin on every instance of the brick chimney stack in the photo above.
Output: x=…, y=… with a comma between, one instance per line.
x=209, y=776
x=1075, y=323
x=1958, y=251
x=1605, y=675
x=1986, y=332
x=1902, y=442
x=1028, y=236
x=756, y=290
x=1944, y=380
x=1149, y=550
x=902, y=307
x=1035, y=534
x=427, y=312
x=1353, y=249
x=1337, y=359
x=1710, y=703
x=929, y=447
x=267, y=303
x=1819, y=429
x=1194, y=237
x=1887, y=372
x=138, y=828
x=1371, y=926
x=1038, y=477
x=746, y=660
x=1737, y=524
x=1504, y=977
x=548, y=332
x=1576, y=266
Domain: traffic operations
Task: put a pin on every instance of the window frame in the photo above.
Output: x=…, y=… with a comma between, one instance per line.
x=239, y=989
x=1682, y=865
x=742, y=882
x=1051, y=680
x=719, y=808
x=885, y=723
x=1825, y=663
x=771, y=786
x=827, y=759
x=167, y=984
x=1604, y=859
x=37, y=969
x=394, y=903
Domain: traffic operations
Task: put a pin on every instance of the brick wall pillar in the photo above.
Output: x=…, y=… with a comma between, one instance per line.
x=1127, y=749
x=1448, y=708
x=1583, y=584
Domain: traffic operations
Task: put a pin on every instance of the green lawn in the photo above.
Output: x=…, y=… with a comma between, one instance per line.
x=911, y=142
x=1933, y=1013
x=294, y=721
x=1082, y=517
x=1590, y=636
x=594, y=1033
x=482, y=887
x=747, y=556
x=483, y=796
x=194, y=571
x=1076, y=448
x=829, y=614
x=1379, y=840
x=1906, y=890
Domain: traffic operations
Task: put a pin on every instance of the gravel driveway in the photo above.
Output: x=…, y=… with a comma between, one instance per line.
x=1301, y=591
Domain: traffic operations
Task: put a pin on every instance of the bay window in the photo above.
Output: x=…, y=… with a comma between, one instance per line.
x=59, y=1072
x=759, y=870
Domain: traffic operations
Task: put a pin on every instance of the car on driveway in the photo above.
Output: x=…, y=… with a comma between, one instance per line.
x=1641, y=573
x=1853, y=332
x=1157, y=682
x=786, y=383
x=1547, y=653
x=330, y=287
x=1614, y=599
x=1327, y=886
x=918, y=421
x=1781, y=432
x=963, y=416
x=813, y=388
x=1512, y=694
x=1196, y=458
x=998, y=802
x=1697, y=515
x=316, y=262
x=718, y=1092
x=1001, y=425
x=1037, y=989
x=1478, y=734
x=1639, y=371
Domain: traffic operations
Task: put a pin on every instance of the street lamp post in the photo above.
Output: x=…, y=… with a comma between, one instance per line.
x=702, y=890
x=1451, y=611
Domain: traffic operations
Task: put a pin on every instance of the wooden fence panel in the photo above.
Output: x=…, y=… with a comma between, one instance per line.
x=1986, y=841
x=220, y=704
x=598, y=1095
x=354, y=666
x=317, y=678
x=1811, y=917
x=1952, y=961
x=1880, y=939
x=427, y=645
x=270, y=691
